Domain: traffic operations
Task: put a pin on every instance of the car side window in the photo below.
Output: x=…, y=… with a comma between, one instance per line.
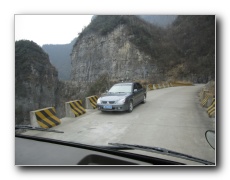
x=135, y=86
x=139, y=87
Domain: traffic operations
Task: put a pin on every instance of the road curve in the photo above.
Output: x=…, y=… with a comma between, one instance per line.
x=171, y=118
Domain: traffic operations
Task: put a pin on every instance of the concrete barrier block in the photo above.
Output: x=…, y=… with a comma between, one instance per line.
x=45, y=118
x=74, y=108
x=206, y=99
x=212, y=108
x=91, y=102
x=150, y=87
x=154, y=87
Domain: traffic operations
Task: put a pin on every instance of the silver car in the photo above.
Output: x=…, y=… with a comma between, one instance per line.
x=122, y=97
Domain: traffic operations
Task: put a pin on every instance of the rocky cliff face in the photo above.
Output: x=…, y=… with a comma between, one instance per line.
x=35, y=80
x=37, y=85
x=126, y=47
x=113, y=54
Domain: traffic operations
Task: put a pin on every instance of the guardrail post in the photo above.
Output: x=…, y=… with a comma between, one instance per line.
x=45, y=118
x=91, y=102
x=74, y=108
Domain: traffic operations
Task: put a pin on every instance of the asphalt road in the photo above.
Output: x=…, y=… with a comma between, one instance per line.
x=171, y=118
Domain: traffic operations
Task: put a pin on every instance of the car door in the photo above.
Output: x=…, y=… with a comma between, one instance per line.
x=135, y=94
x=140, y=92
x=143, y=93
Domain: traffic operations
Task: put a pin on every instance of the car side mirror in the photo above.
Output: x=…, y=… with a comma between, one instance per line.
x=135, y=90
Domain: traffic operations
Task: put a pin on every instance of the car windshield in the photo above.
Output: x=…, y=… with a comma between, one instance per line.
x=124, y=81
x=126, y=88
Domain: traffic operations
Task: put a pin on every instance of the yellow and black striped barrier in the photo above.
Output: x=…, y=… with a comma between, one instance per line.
x=154, y=87
x=159, y=86
x=91, y=102
x=205, y=100
x=74, y=108
x=211, y=109
x=150, y=87
x=178, y=83
x=45, y=118
x=203, y=94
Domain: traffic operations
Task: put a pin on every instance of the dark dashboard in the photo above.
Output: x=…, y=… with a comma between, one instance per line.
x=39, y=151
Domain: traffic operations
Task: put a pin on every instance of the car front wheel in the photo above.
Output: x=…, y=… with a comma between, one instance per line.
x=130, y=106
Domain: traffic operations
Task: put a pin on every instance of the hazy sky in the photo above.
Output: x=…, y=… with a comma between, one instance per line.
x=50, y=29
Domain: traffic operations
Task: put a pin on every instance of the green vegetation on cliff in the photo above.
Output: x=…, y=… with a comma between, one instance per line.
x=193, y=38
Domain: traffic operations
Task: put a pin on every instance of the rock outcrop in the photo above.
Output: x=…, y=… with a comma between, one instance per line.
x=37, y=85
x=114, y=54
x=125, y=47
x=35, y=79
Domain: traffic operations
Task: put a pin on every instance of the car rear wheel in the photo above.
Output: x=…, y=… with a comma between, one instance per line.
x=130, y=106
x=144, y=99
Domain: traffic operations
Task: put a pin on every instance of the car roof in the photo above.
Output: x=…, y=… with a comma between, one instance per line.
x=125, y=83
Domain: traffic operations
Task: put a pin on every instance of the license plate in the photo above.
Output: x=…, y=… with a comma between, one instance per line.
x=108, y=107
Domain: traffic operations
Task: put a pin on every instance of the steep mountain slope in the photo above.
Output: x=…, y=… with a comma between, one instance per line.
x=124, y=47
x=35, y=79
x=37, y=85
x=192, y=43
x=59, y=54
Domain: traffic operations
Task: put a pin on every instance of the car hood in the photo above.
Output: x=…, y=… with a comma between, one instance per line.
x=114, y=96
